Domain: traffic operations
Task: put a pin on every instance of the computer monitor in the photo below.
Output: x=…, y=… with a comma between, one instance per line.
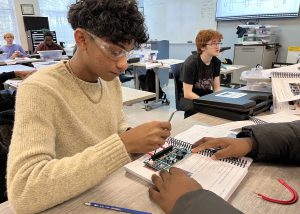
x=35, y=23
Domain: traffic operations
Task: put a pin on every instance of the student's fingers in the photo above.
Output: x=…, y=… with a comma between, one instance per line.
x=202, y=140
x=157, y=181
x=176, y=171
x=165, y=134
x=223, y=153
x=164, y=174
x=209, y=144
x=165, y=125
x=155, y=195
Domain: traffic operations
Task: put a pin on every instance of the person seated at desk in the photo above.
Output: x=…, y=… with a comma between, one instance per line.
x=70, y=131
x=175, y=192
x=48, y=44
x=201, y=71
x=12, y=50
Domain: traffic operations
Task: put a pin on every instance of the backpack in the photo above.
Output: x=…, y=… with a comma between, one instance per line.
x=147, y=83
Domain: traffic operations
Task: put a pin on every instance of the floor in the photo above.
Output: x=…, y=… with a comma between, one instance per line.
x=136, y=114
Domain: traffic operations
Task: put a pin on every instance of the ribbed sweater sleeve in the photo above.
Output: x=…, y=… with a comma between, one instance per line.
x=50, y=162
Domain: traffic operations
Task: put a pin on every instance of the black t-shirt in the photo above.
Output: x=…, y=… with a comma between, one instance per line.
x=201, y=76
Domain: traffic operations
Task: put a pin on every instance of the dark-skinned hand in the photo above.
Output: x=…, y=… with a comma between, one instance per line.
x=170, y=186
x=229, y=147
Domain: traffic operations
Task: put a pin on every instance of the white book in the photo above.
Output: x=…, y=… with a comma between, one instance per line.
x=221, y=176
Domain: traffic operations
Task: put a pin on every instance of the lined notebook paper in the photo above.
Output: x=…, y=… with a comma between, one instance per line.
x=221, y=177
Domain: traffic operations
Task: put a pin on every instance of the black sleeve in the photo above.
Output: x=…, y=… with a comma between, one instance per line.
x=6, y=75
x=203, y=201
x=275, y=142
x=189, y=70
x=216, y=67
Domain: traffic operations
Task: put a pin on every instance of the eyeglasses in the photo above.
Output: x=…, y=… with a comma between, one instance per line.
x=115, y=53
x=215, y=44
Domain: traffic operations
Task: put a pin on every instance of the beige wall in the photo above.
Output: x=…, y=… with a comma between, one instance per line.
x=20, y=23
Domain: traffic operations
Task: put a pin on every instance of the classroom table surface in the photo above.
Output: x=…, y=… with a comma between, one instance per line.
x=129, y=95
x=8, y=68
x=124, y=190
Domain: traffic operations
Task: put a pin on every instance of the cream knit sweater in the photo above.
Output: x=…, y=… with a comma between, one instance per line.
x=62, y=144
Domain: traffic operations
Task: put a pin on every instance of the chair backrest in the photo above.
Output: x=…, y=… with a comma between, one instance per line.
x=6, y=126
x=176, y=70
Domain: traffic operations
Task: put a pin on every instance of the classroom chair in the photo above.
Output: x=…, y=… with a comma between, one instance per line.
x=182, y=104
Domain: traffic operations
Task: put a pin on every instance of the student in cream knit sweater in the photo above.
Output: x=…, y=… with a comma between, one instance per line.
x=70, y=131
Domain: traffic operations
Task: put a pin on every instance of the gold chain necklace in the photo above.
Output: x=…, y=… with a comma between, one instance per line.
x=69, y=68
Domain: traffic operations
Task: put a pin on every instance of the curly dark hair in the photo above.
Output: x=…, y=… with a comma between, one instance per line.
x=116, y=20
x=48, y=33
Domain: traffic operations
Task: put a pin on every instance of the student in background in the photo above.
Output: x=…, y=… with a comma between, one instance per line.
x=48, y=44
x=12, y=50
x=201, y=70
x=175, y=192
x=70, y=131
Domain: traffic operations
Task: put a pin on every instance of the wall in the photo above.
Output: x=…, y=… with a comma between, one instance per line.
x=177, y=20
x=20, y=22
x=288, y=33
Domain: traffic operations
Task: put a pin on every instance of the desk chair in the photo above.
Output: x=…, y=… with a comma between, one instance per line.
x=124, y=78
x=6, y=126
x=182, y=104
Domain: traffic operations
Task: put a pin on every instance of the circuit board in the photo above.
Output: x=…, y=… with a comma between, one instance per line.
x=166, y=158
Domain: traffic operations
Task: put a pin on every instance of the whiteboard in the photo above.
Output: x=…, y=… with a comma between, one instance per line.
x=179, y=21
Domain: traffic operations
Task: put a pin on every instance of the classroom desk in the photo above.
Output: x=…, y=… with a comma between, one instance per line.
x=8, y=68
x=129, y=95
x=124, y=190
x=166, y=63
x=26, y=60
x=19, y=61
x=234, y=71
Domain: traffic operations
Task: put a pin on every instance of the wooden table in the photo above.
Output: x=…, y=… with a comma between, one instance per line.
x=124, y=190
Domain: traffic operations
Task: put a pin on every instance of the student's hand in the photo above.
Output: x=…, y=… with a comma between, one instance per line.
x=146, y=137
x=15, y=54
x=23, y=74
x=170, y=186
x=230, y=147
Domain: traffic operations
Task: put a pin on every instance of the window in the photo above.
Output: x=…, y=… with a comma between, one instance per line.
x=8, y=20
x=56, y=11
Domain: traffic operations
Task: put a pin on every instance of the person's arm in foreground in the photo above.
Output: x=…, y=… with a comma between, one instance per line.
x=274, y=142
x=177, y=193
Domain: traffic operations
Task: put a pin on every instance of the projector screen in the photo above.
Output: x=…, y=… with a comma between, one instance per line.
x=256, y=9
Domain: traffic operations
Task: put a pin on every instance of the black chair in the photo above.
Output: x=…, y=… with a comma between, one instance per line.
x=6, y=126
x=182, y=104
x=124, y=78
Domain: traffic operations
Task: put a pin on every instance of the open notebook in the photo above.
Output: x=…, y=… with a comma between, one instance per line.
x=221, y=177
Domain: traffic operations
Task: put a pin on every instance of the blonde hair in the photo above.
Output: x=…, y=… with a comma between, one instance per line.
x=205, y=36
x=9, y=35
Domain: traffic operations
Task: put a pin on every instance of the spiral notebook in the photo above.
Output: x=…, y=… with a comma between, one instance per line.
x=286, y=86
x=221, y=177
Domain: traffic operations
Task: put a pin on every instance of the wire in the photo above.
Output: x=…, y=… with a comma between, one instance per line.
x=293, y=200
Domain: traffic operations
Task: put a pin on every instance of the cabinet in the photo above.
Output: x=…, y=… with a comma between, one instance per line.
x=35, y=37
x=251, y=55
x=162, y=47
